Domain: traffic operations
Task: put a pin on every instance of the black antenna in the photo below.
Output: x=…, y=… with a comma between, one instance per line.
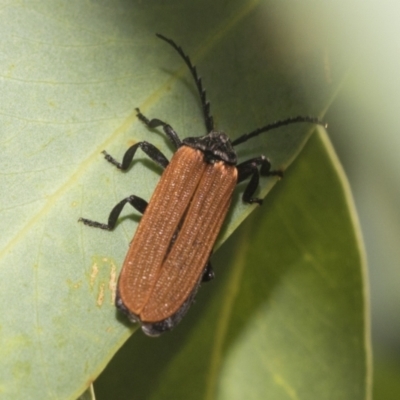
x=277, y=124
x=208, y=119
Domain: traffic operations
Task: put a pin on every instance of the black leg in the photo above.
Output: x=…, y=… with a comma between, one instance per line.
x=136, y=202
x=155, y=123
x=250, y=168
x=208, y=273
x=148, y=148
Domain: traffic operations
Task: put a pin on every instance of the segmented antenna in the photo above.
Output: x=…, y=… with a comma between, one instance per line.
x=277, y=124
x=208, y=119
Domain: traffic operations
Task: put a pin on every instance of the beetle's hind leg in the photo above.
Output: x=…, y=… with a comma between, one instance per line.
x=155, y=123
x=136, y=202
x=250, y=168
x=208, y=273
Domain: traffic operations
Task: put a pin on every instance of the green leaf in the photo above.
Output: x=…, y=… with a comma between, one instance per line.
x=72, y=75
x=386, y=377
x=285, y=317
x=88, y=394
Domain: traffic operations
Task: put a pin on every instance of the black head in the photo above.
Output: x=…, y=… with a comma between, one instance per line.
x=215, y=146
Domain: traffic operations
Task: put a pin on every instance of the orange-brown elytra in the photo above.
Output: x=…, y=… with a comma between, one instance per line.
x=169, y=255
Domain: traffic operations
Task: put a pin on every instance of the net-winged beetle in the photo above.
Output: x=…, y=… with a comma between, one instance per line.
x=169, y=255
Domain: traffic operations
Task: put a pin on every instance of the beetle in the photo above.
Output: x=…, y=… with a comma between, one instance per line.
x=168, y=257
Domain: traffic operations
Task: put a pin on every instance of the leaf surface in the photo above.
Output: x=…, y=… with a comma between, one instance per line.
x=72, y=75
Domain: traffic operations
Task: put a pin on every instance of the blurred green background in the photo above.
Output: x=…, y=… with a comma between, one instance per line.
x=364, y=126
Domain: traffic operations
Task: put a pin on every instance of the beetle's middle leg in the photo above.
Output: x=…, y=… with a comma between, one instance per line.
x=136, y=202
x=147, y=148
x=250, y=168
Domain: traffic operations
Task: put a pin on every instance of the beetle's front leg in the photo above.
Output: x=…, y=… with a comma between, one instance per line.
x=250, y=168
x=155, y=123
